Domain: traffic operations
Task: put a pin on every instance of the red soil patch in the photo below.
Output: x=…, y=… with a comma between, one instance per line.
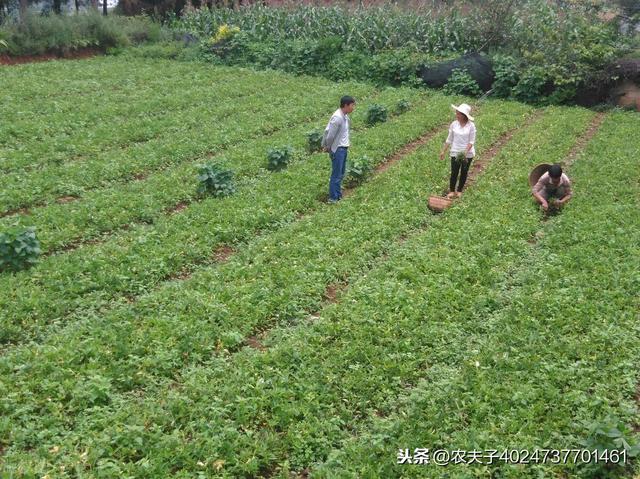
x=254, y=343
x=332, y=291
x=222, y=253
x=177, y=208
x=66, y=199
x=17, y=211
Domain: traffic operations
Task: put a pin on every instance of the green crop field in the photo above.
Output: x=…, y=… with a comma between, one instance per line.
x=164, y=332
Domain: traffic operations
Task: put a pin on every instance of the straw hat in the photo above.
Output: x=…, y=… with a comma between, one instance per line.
x=537, y=172
x=464, y=109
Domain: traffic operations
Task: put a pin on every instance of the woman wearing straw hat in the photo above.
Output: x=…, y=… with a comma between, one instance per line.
x=462, y=136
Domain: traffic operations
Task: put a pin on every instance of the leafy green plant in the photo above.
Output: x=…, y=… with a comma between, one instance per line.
x=215, y=180
x=279, y=158
x=531, y=85
x=462, y=83
x=506, y=75
x=402, y=106
x=314, y=140
x=376, y=113
x=18, y=250
x=610, y=438
x=358, y=170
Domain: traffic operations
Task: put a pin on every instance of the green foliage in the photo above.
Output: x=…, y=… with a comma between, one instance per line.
x=224, y=33
x=358, y=170
x=18, y=249
x=461, y=83
x=376, y=113
x=566, y=40
x=506, y=73
x=314, y=140
x=168, y=50
x=612, y=440
x=350, y=65
x=279, y=158
x=371, y=30
x=395, y=67
x=215, y=180
x=532, y=83
x=61, y=33
x=402, y=106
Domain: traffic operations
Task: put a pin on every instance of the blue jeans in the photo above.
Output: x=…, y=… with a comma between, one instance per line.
x=338, y=167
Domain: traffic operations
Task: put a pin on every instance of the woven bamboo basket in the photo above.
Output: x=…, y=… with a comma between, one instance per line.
x=439, y=203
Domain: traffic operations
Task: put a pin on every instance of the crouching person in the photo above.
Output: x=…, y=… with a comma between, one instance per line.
x=553, y=186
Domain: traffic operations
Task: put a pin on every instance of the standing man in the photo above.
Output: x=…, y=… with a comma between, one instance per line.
x=553, y=184
x=335, y=141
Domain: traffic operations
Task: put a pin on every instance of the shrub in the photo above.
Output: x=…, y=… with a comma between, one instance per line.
x=279, y=158
x=220, y=44
x=395, y=67
x=506, y=75
x=350, y=65
x=215, y=181
x=314, y=140
x=18, y=250
x=531, y=86
x=402, y=106
x=376, y=114
x=462, y=83
x=36, y=34
x=358, y=170
x=224, y=33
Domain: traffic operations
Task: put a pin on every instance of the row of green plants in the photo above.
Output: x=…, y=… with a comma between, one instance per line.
x=62, y=34
x=542, y=51
x=238, y=413
x=195, y=131
x=548, y=360
x=136, y=259
x=104, y=209
x=36, y=135
x=104, y=79
x=22, y=248
x=275, y=279
x=283, y=406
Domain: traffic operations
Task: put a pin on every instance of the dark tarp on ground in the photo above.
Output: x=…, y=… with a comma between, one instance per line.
x=479, y=67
